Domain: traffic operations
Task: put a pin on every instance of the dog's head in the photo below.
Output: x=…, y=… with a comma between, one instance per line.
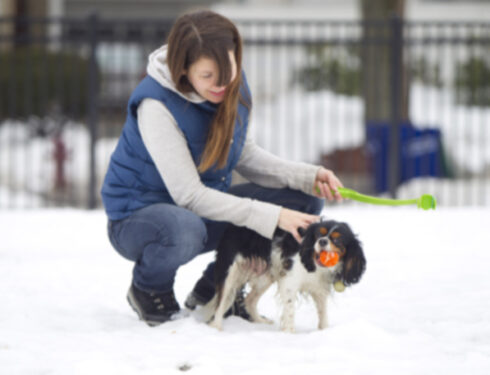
x=337, y=237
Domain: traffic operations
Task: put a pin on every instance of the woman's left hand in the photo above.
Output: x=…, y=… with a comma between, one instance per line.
x=326, y=181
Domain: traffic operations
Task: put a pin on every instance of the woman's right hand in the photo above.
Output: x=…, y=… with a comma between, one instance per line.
x=291, y=220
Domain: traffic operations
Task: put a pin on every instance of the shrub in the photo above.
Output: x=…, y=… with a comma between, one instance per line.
x=425, y=72
x=473, y=82
x=341, y=76
x=38, y=82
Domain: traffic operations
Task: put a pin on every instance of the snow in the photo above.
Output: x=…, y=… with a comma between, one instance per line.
x=422, y=306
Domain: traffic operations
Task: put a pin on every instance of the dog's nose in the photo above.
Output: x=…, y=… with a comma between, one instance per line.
x=323, y=242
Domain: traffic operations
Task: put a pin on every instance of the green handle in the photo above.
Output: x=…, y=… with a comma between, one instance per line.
x=426, y=201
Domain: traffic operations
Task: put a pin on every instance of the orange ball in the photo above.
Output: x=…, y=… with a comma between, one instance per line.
x=328, y=258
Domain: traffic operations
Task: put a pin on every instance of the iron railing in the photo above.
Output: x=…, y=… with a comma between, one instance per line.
x=380, y=102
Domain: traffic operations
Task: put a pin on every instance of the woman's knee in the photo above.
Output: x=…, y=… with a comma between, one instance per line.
x=290, y=198
x=182, y=229
x=314, y=205
x=297, y=200
x=168, y=225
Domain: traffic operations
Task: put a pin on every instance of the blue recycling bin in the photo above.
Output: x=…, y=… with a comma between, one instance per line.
x=420, y=153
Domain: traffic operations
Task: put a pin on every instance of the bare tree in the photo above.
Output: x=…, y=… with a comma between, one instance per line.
x=382, y=60
x=385, y=86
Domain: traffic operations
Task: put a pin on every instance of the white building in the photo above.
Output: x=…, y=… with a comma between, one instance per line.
x=461, y=10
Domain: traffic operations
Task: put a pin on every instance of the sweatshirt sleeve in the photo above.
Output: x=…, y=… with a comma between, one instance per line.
x=264, y=168
x=168, y=148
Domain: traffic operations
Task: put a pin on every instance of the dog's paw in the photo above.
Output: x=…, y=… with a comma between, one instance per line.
x=322, y=326
x=213, y=323
x=264, y=320
x=287, y=329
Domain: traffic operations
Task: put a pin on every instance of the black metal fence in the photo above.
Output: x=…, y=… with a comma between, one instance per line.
x=400, y=108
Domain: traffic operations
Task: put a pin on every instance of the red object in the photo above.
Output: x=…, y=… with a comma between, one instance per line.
x=328, y=258
x=60, y=156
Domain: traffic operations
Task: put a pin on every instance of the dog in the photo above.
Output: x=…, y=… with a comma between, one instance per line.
x=244, y=256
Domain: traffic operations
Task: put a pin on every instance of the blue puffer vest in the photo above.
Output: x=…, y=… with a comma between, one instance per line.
x=132, y=180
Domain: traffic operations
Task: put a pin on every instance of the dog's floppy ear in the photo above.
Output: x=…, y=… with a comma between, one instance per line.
x=289, y=244
x=306, y=250
x=301, y=231
x=354, y=263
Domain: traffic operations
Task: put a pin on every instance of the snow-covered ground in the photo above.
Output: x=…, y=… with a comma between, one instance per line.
x=421, y=308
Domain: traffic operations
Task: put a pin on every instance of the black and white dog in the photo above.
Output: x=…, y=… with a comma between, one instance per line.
x=243, y=256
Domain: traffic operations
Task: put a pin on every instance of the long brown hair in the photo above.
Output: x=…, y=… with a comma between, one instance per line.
x=208, y=34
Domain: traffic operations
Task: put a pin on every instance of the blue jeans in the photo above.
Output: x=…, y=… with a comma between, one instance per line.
x=162, y=237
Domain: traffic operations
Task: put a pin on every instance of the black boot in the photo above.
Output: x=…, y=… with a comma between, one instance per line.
x=153, y=308
x=202, y=293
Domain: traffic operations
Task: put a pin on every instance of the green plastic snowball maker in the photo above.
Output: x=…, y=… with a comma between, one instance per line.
x=426, y=201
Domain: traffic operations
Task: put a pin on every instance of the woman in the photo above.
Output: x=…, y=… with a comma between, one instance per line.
x=168, y=192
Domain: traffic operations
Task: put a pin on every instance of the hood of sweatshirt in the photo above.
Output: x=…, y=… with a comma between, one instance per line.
x=157, y=68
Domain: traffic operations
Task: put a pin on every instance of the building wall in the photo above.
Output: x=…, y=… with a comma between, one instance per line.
x=7, y=7
x=132, y=9
x=415, y=10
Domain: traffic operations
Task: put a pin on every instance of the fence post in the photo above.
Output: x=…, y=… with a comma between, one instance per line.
x=396, y=97
x=92, y=103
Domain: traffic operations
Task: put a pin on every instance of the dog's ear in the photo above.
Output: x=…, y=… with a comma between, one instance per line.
x=354, y=263
x=301, y=231
x=289, y=245
x=306, y=251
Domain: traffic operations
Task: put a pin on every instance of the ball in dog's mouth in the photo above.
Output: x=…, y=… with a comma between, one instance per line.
x=327, y=258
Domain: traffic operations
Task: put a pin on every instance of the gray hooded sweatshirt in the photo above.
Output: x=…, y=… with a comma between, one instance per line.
x=158, y=128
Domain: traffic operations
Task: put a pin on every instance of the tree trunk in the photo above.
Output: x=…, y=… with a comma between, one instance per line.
x=380, y=62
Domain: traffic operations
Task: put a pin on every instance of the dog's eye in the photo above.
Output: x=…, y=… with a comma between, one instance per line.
x=337, y=240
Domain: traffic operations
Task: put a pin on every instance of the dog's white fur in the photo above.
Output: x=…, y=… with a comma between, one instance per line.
x=290, y=283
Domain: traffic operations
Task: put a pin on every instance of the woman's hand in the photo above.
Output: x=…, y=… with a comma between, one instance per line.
x=290, y=221
x=325, y=182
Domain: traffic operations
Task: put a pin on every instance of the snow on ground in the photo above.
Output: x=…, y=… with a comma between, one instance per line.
x=421, y=308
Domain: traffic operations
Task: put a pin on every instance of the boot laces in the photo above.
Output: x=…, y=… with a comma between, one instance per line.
x=165, y=300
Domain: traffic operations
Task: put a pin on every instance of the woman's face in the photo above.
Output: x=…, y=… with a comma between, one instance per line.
x=203, y=75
